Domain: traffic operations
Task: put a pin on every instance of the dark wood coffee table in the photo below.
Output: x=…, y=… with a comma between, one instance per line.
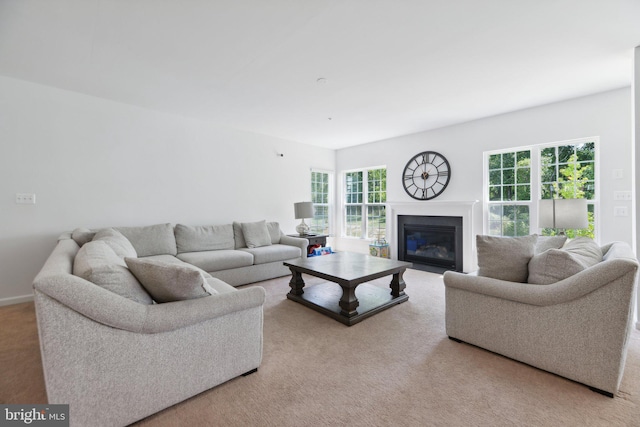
x=353, y=300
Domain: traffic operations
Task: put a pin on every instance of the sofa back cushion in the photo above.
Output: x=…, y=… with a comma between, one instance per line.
x=151, y=240
x=204, y=237
x=82, y=235
x=256, y=234
x=273, y=228
x=554, y=265
x=505, y=258
x=114, y=239
x=97, y=262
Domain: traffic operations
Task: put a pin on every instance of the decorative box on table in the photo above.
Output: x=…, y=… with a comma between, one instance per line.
x=379, y=248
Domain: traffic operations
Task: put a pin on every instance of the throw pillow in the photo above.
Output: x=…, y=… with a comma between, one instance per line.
x=99, y=264
x=120, y=244
x=549, y=242
x=82, y=235
x=505, y=258
x=238, y=236
x=554, y=265
x=274, y=232
x=256, y=234
x=168, y=282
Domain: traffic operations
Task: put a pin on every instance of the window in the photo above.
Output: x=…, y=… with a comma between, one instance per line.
x=568, y=172
x=517, y=178
x=509, y=193
x=365, y=195
x=320, y=196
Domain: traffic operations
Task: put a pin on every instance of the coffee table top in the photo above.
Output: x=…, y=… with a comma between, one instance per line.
x=350, y=267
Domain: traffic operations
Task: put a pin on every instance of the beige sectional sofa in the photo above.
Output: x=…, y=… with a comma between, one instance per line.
x=567, y=309
x=113, y=353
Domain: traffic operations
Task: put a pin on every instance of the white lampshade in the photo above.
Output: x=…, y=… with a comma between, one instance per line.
x=303, y=210
x=569, y=213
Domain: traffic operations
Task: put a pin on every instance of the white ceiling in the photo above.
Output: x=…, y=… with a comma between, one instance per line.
x=392, y=67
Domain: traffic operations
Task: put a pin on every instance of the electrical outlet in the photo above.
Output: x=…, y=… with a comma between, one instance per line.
x=25, y=198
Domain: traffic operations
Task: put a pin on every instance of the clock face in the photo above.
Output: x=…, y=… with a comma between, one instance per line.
x=426, y=175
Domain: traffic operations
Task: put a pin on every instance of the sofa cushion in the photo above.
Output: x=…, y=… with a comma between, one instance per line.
x=554, y=265
x=217, y=260
x=204, y=237
x=273, y=228
x=549, y=242
x=505, y=258
x=167, y=282
x=98, y=263
x=82, y=235
x=256, y=234
x=274, y=232
x=272, y=253
x=238, y=236
x=151, y=240
x=120, y=244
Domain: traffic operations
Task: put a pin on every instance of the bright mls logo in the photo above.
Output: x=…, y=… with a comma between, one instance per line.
x=34, y=415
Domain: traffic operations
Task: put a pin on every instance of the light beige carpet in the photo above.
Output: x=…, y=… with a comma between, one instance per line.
x=397, y=368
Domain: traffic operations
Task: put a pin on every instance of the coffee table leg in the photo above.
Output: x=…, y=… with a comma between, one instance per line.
x=397, y=284
x=296, y=283
x=348, y=302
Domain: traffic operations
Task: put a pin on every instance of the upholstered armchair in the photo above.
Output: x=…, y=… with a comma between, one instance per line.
x=577, y=327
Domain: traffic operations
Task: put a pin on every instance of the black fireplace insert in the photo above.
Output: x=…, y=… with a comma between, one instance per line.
x=431, y=243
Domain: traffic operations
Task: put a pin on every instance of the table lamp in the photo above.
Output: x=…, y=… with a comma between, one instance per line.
x=303, y=210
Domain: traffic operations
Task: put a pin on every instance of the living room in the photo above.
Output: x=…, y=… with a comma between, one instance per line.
x=103, y=142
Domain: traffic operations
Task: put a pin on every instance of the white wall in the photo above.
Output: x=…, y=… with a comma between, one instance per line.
x=606, y=115
x=94, y=163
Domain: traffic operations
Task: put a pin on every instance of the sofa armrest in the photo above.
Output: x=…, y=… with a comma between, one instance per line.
x=299, y=242
x=566, y=290
x=118, y=312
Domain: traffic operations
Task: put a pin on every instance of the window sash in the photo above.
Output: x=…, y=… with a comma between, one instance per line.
x=321, y=196
x=364, y=201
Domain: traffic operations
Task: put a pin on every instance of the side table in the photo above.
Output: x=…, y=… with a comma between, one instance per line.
x=314, y=240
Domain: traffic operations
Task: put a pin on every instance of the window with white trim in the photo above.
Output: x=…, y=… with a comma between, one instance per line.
x=515, y=179
x=365, y=193
x=321, y=198
x=509, y=198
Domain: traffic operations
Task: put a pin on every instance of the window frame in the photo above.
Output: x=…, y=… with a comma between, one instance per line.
x=536, y=182
x=364, y=205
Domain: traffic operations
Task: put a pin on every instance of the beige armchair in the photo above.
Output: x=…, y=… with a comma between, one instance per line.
x=577, y=328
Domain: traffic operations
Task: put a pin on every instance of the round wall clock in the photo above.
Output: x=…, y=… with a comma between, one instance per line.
x=426, y=175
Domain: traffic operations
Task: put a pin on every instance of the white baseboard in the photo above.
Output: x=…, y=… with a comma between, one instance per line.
x=16, y=300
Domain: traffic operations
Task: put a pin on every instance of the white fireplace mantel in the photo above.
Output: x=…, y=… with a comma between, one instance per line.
x=463, y=209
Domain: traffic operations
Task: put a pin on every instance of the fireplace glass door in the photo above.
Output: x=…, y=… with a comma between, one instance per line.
x=431, y=245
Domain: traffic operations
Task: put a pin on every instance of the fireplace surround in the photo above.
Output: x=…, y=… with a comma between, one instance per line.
x=469, y=210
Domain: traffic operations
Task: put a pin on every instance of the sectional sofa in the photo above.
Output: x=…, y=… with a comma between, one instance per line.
x=133, y=320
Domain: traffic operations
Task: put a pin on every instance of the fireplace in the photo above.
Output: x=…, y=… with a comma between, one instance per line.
x=431, y=243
